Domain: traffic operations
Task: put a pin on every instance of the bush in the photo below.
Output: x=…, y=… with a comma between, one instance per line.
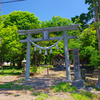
x=92, y=54
x=64, y=87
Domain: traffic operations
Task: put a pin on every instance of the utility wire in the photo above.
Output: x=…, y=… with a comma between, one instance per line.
x=0, y=5
x=11, y=1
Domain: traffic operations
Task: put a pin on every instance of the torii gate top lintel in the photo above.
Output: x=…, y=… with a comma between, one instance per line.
x=49, y=29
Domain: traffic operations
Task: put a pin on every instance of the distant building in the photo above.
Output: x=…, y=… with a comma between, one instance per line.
x=59, y=62
x=60, y=59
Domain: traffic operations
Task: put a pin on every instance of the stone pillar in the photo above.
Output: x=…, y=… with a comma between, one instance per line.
x=76, y=64
x=77, y=82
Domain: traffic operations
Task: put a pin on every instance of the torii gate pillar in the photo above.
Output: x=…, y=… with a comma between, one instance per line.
x=28, y=57
x=66, y=55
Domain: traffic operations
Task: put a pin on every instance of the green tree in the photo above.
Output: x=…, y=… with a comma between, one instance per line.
x=23, y=21
x=89, y=43
x=9, y=42
x=95, y=5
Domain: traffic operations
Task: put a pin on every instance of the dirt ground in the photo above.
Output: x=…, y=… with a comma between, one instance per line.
x=40, y=83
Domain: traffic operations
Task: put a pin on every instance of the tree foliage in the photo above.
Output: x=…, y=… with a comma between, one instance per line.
x=89, y=47
x=82, y=19
x=23, y=20
x=10, y=41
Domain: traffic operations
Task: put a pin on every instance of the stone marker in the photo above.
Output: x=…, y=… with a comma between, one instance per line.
x=76, y=64
x=77, y=82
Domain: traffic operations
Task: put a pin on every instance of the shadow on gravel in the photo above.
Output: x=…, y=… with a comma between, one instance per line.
x=35, y=83
x=42, y=82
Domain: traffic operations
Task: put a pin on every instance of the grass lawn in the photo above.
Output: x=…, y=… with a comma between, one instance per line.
x=11, y=70
x=77, y=95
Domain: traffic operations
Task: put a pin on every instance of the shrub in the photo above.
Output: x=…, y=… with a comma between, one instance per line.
x=64, y=87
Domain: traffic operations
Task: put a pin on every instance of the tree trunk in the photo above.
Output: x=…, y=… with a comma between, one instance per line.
x=39, y=64
x=35, y=62
x=46, y=60
x=19, y=64
x=97, y=11
x=2, y=69
x=13, y=63
x=1, y=64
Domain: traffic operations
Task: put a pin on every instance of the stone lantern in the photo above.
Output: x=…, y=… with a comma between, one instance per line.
x=24, y=64
x=24, y=68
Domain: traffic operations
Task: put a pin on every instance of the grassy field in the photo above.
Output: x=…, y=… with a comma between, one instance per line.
x=12, y=70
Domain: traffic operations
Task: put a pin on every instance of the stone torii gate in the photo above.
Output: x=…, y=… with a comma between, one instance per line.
x=45, y=37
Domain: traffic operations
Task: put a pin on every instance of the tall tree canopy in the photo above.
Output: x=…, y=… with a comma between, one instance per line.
x=23, y=20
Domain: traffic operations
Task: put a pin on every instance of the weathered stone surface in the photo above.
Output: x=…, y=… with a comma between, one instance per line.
x=76, y=64
x=78, y=83
x=23, y=73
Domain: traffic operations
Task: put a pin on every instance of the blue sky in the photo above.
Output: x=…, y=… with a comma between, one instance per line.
x=46, y=9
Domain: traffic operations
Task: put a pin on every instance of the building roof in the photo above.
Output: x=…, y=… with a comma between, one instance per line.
x=59, y=55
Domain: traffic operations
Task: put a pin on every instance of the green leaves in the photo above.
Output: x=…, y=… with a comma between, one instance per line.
x=92, y=55
x=23, y=20
x=89, y=37
x=9, y=40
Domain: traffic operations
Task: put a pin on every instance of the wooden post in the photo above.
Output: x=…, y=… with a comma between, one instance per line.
x=28, y=57
x=47, y=71
x=66, y=56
